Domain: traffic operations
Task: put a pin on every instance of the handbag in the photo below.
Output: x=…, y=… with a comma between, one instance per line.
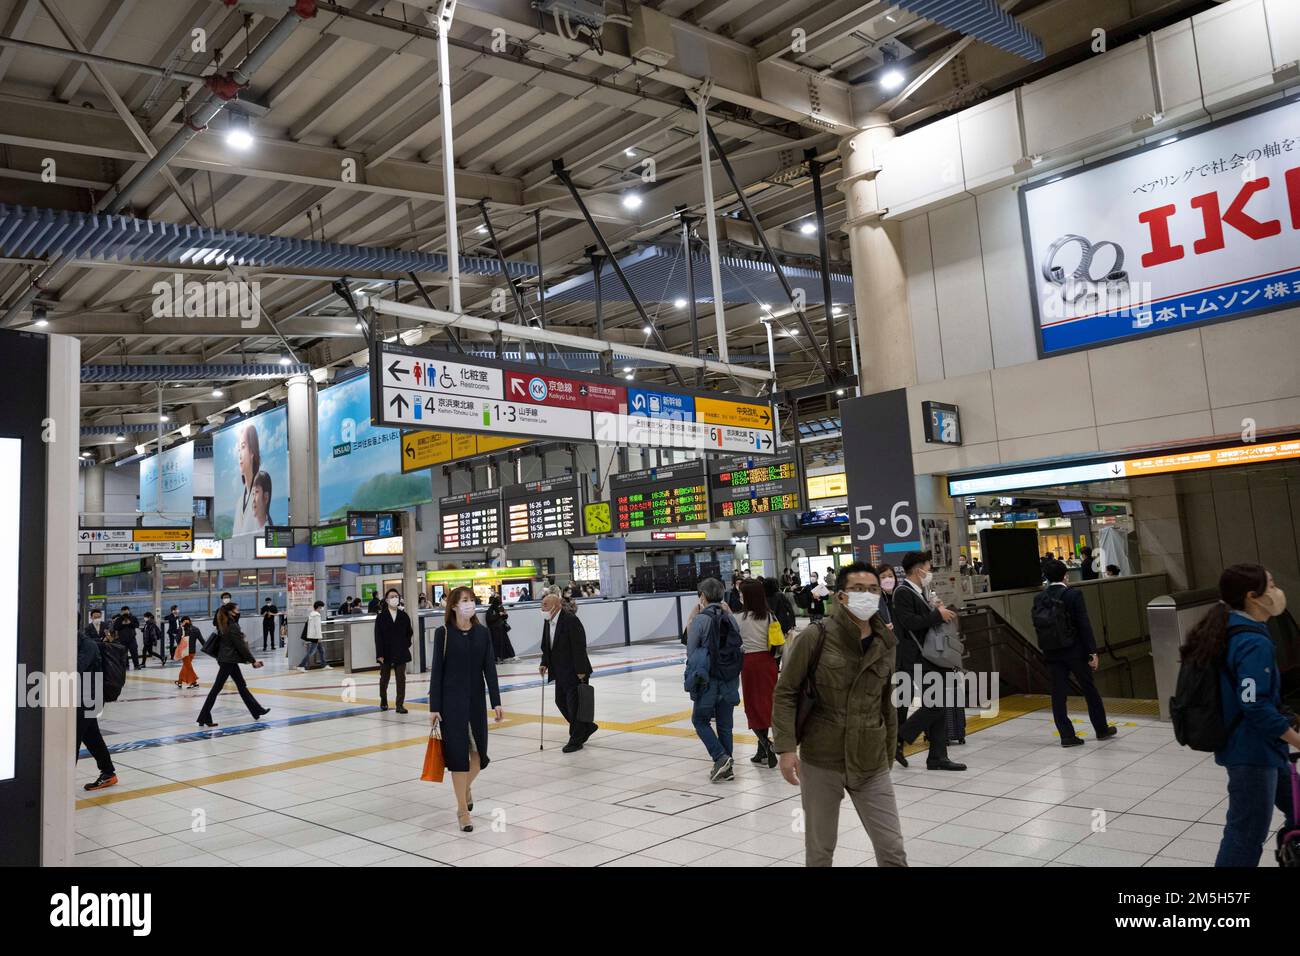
x=585, y=711
x=943, y=646
x=807, y=700
x=213, y=645
x=775, y=636
x=434, y=761
x=182, y=648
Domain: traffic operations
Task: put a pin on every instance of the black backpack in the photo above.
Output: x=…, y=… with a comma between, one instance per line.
x=1052, y=621
x=803, y=598
x=112, y=658
x=726, y=652
x=1196, y=708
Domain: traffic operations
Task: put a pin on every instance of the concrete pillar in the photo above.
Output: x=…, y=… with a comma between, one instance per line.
x=762, y=545
x=303, y=560
x=93, y=502
x=879, y=281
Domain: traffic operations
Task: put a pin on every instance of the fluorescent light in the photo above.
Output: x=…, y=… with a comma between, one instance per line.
x=627, y=368
x=482, y=229
x=839, y=391
x=808, y=228
x=790, y=333
x=631, y=200
x=629, y=151
x=647, y=330
x=628, y=376
x=680, y=303
x=892, y=79
x=119, y=437
x=1169, y=139
x=836, y=310
x=285, y=360
x=42, y=323
x=217, y=393
x=163, y=418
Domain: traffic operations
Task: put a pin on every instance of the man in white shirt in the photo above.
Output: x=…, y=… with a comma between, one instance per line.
x=312, y=636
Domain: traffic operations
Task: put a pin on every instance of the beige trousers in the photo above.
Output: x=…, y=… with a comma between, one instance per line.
x=872, y=796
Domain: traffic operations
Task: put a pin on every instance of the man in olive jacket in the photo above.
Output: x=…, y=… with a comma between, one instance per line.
x=848, y=741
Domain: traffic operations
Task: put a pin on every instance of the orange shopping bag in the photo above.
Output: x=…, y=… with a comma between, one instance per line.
x=434, y=764
x=182, y=648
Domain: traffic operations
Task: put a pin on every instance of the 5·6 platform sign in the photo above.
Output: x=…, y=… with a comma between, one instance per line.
x=1194, y=229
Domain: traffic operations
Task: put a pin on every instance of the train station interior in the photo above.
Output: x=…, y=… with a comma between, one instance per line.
x=581, y=370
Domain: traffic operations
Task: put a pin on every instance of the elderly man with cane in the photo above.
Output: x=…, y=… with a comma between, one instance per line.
x=565, y=661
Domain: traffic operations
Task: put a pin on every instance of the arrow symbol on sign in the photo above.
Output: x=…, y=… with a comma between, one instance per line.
x=767, y=441
x=397, y=371
x=410, y=452
x=517, y=386
x=399, y=400
x=1115, y=470
x=767, y=416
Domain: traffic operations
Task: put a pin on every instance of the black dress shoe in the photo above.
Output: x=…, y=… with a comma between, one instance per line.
x=402, y=710
x=383, y=706
x=1071, y=741
x=570, y=747
x=899, y=758
x=944, y=765
x=1109, y=732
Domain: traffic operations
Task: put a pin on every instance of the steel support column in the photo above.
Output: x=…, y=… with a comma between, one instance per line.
x=815, y=168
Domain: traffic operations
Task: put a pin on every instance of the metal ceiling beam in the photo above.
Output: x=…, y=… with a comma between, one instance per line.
x=825, y=24
x=20, y=18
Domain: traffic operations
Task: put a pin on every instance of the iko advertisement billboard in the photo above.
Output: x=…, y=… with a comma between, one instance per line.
x=360, y=464
x=250, y=474
x=1198, y=228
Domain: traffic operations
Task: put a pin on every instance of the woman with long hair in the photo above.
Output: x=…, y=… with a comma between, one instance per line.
x=499, y=628
x=250, y=463
x=463, y=665
x=1233, y=637
x=758, y=671
x=232, y=650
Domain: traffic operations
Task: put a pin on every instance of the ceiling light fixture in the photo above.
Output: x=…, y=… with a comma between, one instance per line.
x=647, y=330
x=217, y=393
x=629, y=151
x=239, y=135
x=680, y=303
x=631, y=200
x=808, y=228
x=892, y=79
x=285, y=360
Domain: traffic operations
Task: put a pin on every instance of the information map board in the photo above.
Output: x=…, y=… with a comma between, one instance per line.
x=741, y=486
x=538, y=510
x=660, y=497
x=417, y=387
x=470, y=520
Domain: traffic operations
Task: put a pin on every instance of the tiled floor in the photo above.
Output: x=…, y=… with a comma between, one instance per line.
x=328, y=780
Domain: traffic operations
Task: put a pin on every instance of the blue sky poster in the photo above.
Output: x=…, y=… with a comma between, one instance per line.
x=360, y=465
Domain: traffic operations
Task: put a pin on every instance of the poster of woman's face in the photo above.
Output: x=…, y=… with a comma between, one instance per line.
x=251, y=475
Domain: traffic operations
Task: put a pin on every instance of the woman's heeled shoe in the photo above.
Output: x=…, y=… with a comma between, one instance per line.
x=463, y=819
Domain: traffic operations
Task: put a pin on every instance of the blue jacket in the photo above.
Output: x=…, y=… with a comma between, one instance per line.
x=1256, y=741
x=706, y=692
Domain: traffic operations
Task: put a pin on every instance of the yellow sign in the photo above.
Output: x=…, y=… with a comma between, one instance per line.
x=425, y=449
x=828, y=486
x=595, y=517
x=1212, y=458
x=738, y=414
x=163, y=534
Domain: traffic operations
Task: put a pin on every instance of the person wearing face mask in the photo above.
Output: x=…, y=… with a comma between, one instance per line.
x=847, y=743
x=463, y=665
x=914, y=614
x=888, y=581
x=1234, y=637
x=393, y=633
x=565, y=661
x=759, y=670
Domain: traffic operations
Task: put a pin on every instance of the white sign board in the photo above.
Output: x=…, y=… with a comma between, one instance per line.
x=1196, y=229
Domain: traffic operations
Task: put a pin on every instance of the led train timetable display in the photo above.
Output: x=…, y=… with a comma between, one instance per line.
x=743, y=486
x=660, y=497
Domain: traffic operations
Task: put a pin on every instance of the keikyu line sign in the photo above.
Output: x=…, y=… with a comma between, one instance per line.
x=423, y=388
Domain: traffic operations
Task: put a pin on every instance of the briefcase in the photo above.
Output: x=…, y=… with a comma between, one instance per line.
x=585, y=709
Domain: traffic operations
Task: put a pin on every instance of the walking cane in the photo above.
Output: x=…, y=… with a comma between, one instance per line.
x=541, y=730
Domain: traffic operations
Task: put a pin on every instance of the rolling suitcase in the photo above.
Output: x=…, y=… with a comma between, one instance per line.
x=1288, y=841
x=955, y=720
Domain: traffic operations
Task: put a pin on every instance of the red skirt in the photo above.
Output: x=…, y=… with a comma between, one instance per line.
x=757, y=681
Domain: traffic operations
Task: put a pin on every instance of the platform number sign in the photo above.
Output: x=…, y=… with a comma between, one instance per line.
x=942, y=423
x=878, y=466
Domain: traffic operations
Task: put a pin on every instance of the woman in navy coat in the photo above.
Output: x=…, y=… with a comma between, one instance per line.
x=463, y=664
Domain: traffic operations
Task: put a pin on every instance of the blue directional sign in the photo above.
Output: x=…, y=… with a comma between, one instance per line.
x=669, y=405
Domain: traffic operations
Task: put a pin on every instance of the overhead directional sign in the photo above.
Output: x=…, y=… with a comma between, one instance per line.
x=131, y=540
x=423, y=388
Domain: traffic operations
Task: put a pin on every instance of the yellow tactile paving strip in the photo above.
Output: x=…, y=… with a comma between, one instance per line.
x=1009, y=708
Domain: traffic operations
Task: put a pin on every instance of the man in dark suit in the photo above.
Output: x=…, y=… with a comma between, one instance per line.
x=913, y=615
x=173, y=622
x=95, y=629
x=565, y=661
x=269, y=612
x=1079, y=659
x=124, y=627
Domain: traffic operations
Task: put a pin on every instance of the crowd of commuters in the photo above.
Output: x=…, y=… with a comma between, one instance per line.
x=830, y=704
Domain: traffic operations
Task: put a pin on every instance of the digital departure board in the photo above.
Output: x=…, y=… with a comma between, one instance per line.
x=539, y=510
x=741, y=487
x=471, y=520
x=660, y=497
